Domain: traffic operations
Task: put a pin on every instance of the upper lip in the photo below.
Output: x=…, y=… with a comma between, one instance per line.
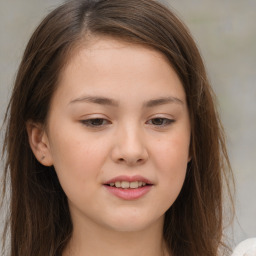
x=129, y=179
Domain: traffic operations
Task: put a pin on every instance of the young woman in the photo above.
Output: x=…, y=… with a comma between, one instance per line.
x=113, y=144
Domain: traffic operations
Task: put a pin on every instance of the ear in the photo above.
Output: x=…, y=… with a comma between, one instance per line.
x=39, y=143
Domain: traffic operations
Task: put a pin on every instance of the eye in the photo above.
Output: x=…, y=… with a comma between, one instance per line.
x=159, y=121
x=95, y=122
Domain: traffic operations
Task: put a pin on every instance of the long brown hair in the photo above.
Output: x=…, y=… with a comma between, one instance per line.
x=40, y=222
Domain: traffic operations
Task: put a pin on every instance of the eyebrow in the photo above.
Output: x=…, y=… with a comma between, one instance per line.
x=162, y=101
x=111, y=102
x=96, y=100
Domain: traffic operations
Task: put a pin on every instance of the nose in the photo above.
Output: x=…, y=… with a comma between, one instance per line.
x=129, y=147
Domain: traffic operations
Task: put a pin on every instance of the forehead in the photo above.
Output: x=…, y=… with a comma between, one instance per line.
x=103, y=48
x=103, y=64
x=100, y=48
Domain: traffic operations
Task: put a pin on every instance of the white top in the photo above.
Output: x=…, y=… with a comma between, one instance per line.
x=246, y=248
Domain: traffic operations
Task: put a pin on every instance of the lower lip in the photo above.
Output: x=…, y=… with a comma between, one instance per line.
x=129, y=193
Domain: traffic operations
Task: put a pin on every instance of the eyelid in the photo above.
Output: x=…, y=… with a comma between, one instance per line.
x=87, y=122
x=104, y=121
x=168, y=121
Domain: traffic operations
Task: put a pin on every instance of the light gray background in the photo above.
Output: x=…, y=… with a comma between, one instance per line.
x=225, y=31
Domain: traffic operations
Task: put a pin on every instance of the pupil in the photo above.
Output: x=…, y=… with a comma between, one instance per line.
x=97, y=121
x=158, y=121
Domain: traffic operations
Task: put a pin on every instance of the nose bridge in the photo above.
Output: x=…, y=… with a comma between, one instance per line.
x=131, y=138
x=130, y=146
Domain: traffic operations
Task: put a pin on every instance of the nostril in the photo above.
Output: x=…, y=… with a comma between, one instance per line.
x=130, y=161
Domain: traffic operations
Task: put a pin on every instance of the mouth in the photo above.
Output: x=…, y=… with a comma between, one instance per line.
x=128, y=188
x=127, y=184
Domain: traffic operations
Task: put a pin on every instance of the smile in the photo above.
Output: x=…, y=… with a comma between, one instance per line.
x=127, y=184
x=128, y=187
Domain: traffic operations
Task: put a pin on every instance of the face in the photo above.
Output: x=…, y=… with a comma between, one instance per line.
x=118, y=135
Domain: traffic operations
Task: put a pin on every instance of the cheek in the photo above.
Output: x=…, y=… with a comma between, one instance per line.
x=173, y=151
x=172, y=167
x=171, y=159
x=77, y=161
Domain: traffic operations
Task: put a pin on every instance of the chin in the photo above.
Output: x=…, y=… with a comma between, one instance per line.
x=133, y=223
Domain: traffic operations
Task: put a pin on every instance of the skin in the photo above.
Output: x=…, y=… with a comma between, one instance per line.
x=134, y=135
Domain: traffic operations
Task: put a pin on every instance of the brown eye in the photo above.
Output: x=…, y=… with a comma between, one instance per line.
x=161, y=121
x=95, y=122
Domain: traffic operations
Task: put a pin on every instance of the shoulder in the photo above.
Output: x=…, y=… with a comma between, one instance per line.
x=246, y=248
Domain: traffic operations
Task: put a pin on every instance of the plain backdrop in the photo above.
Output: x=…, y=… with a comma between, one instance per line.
x=225, y=31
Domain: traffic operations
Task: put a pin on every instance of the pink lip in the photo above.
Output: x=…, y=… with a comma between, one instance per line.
x=129, y=193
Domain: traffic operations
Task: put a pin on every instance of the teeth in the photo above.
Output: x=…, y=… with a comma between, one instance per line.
x=118, y=184
x=127, y=184
x=134, y=184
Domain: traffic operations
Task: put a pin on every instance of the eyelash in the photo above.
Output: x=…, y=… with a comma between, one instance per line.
x=164, y=121
x=91, y=122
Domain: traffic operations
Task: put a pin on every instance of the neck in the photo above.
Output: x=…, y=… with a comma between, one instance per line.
x=94, y=240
